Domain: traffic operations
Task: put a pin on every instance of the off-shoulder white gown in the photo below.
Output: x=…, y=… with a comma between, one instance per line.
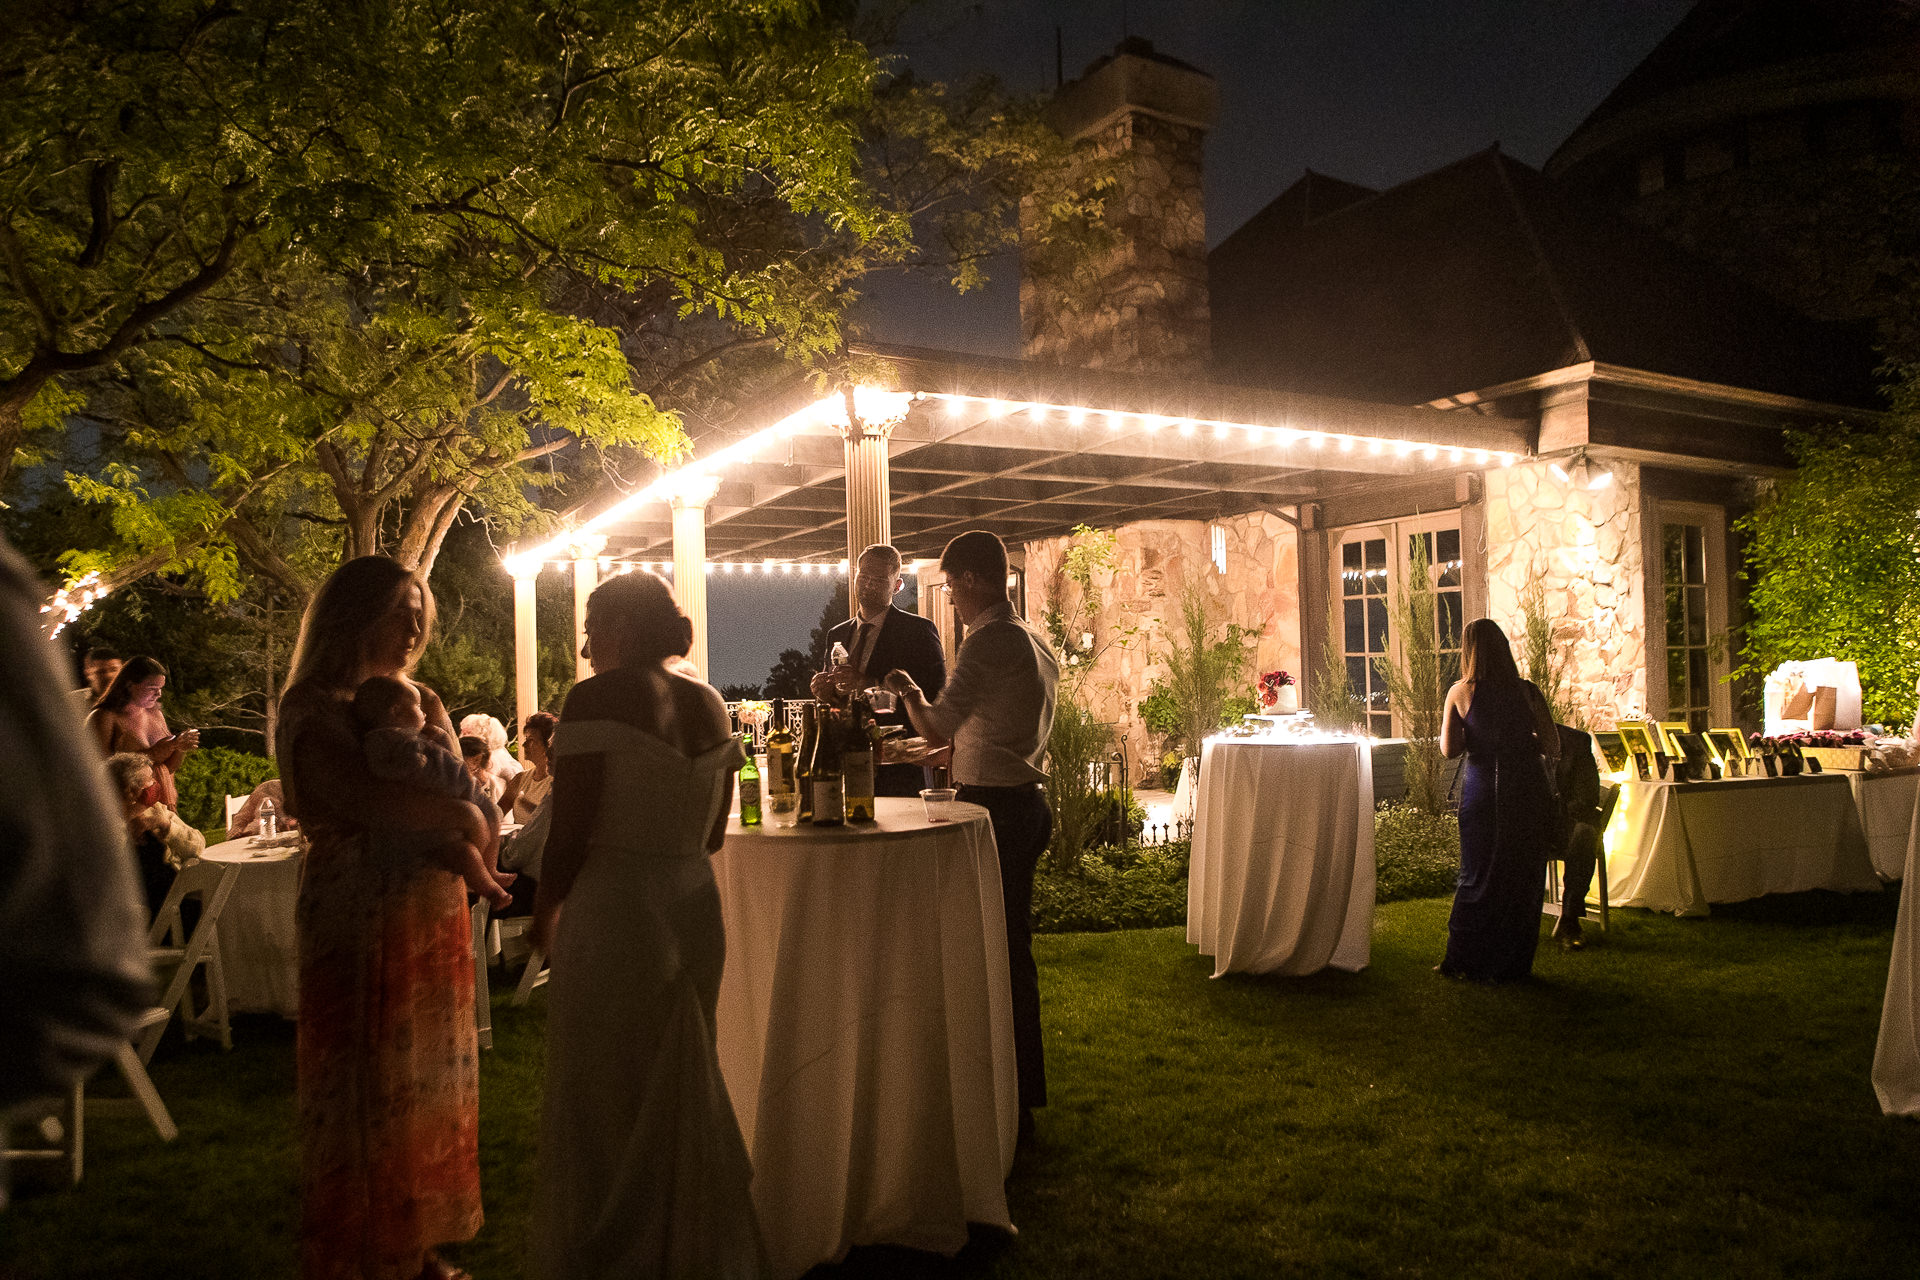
x=644, y=1172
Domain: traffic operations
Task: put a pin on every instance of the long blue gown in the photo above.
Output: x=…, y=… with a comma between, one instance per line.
x=1506, y=823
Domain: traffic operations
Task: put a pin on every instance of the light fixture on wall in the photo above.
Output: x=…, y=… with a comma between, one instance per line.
x=1582, y=472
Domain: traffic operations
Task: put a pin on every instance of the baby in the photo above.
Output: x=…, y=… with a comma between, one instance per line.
x=400, y=748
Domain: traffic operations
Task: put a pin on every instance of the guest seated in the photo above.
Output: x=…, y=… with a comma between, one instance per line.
x=162, y=841
x=246, y=819
x=473, y=757
x=525, y=792
x=400, y=748
x=128, y=718
x=520, y=853
x=500, y=761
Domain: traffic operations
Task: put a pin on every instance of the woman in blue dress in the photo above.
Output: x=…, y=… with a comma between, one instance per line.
x=1503, y=726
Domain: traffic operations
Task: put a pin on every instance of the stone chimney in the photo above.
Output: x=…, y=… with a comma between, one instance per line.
x=1141, y=306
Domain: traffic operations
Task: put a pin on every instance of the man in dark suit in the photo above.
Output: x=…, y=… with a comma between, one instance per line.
x=1577, y=782
x=878, y=639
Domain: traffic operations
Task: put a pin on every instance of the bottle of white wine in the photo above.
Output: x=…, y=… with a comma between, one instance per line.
x=829, y=787
x=856, y=764
x=779, y=779
x=749, y=786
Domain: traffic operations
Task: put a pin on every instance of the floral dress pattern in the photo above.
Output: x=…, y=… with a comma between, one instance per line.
x=388, y=1059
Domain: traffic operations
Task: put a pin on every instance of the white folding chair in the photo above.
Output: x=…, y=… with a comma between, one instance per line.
x=534, y=975
x=234, y=805
x=62, y=1126
x=170, y=945
x=482, y=995
x=1550, y=906
x=499, y=934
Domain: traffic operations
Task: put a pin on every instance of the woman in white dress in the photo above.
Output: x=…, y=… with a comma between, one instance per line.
x=643, y=1170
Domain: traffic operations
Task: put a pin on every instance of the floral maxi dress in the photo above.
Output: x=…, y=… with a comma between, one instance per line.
x=388, y=1060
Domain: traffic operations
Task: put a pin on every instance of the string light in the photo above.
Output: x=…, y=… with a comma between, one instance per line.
x=72, y=600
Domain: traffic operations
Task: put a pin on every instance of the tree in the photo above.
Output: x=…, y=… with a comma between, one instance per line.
x=792, y=676
x=1417, y=682
x=1833, y=556
x=1205, y=663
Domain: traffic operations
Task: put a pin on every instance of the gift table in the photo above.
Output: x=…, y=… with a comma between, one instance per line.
x=1678, y=846
x=1896, y=1059
x=1282, y=877
x=259, y=948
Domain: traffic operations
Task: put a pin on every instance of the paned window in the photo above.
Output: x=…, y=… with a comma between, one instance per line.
x=1683, y=563
x=1449, y=601
x=1364, y=593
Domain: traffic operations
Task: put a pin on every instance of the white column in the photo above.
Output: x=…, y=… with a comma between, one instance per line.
x=690, y=559
x=526, y=649
x=869, y=493
x=586, y=576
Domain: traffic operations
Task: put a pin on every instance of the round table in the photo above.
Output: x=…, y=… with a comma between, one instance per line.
x=259, y=950
x=865, y=1030
x=1282, y=877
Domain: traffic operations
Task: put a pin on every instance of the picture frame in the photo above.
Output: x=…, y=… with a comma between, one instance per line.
x=1670, y=731
x=1696, y=758
x=1729, y=744
x=1642, y=765
x=1614, y=751
x=1639, y=736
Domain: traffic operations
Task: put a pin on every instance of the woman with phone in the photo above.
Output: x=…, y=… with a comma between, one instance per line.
x=128, y=718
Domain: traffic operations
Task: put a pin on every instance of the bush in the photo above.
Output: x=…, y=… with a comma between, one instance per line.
x=1417, y=854
x=208, y=776
x=1114, y=888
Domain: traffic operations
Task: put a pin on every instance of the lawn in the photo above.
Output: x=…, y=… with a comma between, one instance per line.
x=1687, y=1098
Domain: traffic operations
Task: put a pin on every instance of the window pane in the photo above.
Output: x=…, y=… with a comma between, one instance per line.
x=1676, y=614
x=1672, y=553
x=1378, y=698
x=1381, y=726
x=1698, y=680
x=1351, y=582
x=1357, y=675
x=1696, y=554
x=1447, y=615
x=1676, y=679
x=1376, y=552
x=1696, y=615
x=1376, y=625
x=1356, y=620
x=1449, y=544
x=1449, y=669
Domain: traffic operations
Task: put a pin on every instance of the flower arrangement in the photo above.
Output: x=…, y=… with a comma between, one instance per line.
x=753, y=713
x=1818, y=738
x=1269, y=690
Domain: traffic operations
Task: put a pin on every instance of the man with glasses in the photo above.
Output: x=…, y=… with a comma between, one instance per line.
x=997, y=712
x=881, y=638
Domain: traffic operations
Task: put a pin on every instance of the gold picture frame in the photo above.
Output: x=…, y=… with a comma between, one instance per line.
x=1668, y=732
x=1641, y=737
x=1729, y=744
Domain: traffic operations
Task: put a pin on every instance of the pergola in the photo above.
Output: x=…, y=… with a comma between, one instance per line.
x=951, y=443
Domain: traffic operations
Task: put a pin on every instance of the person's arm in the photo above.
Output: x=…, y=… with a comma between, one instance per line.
x=579, y=781
x=973, y=675
x=1453, y=741
x=510, y=796
x=184, y=843
x=333, y=784
x=708, y=703
x=169, y=748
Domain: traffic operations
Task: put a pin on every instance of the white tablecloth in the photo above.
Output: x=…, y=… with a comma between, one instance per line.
x=1896, y=1059
x=258, y=946
x=1282, y=878
x=1677, y=846
x=866, y=1031
x=1886, y=802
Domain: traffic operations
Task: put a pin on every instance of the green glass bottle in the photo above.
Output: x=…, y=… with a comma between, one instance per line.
x=829, y=785
x=856, y=764
x=749, y=786
x=803, y=763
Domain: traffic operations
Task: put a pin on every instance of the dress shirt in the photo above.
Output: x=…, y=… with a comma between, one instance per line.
x=997, y=708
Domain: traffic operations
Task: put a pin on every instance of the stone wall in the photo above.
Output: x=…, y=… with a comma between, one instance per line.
x=1142, y=305
x=1585, y=548
x=1156, y=558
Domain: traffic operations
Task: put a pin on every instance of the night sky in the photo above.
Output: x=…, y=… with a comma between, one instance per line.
x=1368, y=91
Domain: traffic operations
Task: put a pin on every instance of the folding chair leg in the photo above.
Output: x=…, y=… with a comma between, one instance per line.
x=1600, y=870
x=482, y=995
x=532, y=976
x=145, y=1096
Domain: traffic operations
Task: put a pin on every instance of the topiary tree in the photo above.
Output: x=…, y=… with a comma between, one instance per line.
x=1833, y=556
x=1417, y=682
x=1206, y=661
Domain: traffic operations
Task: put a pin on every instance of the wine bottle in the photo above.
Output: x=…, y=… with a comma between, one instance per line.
x=749, y=786
x=829, y=785
x=779, y=779
x=803, y=763
x=856, y=764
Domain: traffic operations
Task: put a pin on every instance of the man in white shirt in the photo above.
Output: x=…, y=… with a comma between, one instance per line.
x=997, y=711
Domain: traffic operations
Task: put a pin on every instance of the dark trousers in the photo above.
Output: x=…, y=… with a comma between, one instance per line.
x=1022, y=825
x=1583, y=850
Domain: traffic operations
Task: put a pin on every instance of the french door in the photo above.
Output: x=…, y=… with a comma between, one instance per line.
x=1371, y=569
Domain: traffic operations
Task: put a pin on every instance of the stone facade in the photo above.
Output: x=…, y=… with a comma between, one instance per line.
x=1142, y=306
x=1585, y=549
x=1156, y=559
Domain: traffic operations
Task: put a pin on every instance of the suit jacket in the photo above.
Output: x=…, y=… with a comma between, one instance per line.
x=910, y=643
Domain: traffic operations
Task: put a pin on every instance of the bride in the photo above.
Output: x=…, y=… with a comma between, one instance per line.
x=644, y=1172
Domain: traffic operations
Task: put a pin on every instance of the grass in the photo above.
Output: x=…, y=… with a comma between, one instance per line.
x=1686, y=1098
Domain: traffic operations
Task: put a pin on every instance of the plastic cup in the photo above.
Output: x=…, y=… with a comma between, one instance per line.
x=880, y=699
x=939, y=802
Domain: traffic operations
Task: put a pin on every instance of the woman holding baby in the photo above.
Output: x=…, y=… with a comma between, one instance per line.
x=388, y=1065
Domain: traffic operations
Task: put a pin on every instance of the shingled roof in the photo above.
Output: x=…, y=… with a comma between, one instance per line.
x=1483, y=273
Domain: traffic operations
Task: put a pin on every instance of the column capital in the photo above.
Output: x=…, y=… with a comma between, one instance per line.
x=871, y=413
x=522, y=568
x=586, y=546
x=694, y=491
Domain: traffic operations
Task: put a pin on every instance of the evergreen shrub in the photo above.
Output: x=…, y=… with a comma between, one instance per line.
x=208, y=776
